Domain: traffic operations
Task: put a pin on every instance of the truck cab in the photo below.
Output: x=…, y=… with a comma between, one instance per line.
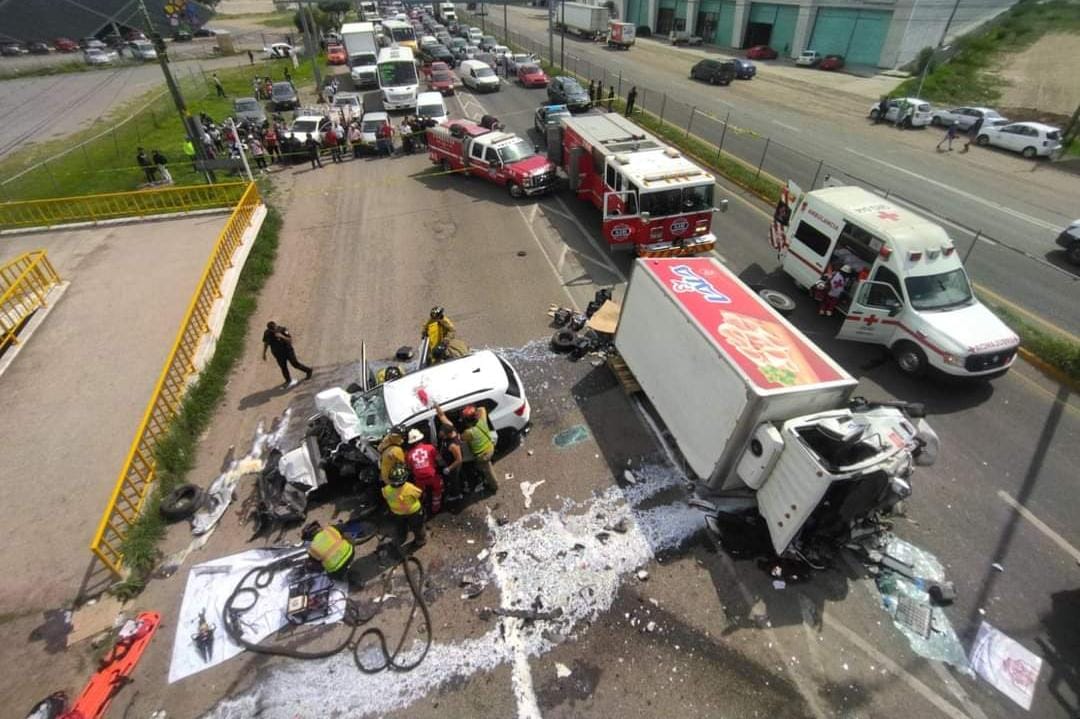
x=907, y=287
x=499, y=157
x=654, y=201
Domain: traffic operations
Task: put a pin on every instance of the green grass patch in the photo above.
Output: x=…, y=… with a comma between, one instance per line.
x=1059, y=352
x=176, y=453
x=968, y=75
x=107, y=163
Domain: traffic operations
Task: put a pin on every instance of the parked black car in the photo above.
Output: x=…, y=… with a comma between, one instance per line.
x=744, y=69
x=38, y=48
x=283, y=96
x=439, y=53
x=715, y=72
x=567, y=91
x=12, y=48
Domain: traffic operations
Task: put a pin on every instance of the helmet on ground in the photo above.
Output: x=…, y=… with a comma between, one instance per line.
x=469, y=413
x=437, y=312
x=415, y=436
x=392, y=372
x=398, y=475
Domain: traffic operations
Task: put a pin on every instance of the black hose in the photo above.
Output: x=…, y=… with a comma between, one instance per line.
x=231, y=615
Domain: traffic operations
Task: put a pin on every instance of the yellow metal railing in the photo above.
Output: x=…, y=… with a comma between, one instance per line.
x=24, y=287
x=138, y=473
x=111, y=206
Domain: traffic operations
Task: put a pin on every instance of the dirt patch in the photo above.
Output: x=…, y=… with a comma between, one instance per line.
x=1043, y=76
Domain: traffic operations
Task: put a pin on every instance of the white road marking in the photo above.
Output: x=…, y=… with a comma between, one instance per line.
x=786, y=126
x=1040, y=525
x=946, y=707
x=967, y=195
x=554, y=269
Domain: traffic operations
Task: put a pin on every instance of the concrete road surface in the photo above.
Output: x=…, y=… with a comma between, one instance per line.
x=367, y=247
x=1018, y=206
x=75, y=394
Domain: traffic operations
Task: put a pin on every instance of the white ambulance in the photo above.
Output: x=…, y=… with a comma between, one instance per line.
x=908, y=289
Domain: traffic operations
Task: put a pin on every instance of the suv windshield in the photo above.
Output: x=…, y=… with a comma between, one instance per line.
x=370, y=409
x=430, y=110
x=247, y=105
x=677, y=201
x=516, y=150
x=939, y=292
x=282, y=89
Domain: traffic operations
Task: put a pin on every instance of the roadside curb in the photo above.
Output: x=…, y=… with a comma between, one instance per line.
x=1050, y=371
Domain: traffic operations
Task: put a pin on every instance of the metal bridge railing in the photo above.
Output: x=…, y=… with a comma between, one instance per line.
x=25, y=283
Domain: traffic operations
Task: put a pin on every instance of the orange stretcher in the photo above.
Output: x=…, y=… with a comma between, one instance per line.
x=115, y=670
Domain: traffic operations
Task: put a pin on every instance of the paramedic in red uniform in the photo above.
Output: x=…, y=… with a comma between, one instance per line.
x=835, y=290
x=421, y=457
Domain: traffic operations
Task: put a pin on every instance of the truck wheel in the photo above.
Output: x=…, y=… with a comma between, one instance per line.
x=777, y=300
x=910, y=359
x=515, y=190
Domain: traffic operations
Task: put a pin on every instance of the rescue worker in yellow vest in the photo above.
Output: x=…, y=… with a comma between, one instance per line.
x=328, y=547
x=391, y=453
x=436, y=330
x=403, y=498
x=481, y=440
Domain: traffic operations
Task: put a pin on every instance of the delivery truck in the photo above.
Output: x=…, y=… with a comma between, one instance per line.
x=363, y=53
x=590, y=21
x=621, y=35
x=762, y=416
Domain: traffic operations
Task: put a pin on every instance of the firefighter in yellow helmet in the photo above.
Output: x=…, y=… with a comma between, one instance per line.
x=391, y=452
x=328, y=547
x=403, y=499
x=436, y=330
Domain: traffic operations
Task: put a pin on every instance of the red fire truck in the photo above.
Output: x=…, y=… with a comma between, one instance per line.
x=499, y=157
x=655, y=201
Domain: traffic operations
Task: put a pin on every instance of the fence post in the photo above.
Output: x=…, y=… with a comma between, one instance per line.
x=817, y=174
x=690, y=122
x=723, y=134
x=974, y=241
x=619, y=93
x=663, y=105
x=762, y=162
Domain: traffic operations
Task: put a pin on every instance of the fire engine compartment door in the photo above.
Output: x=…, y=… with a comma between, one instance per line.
x=873, y=303
x=621, y=219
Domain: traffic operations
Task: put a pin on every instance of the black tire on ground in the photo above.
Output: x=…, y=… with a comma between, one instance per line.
x=182, y=502
x=1073, y=253
x=910, y=358
x=777, y=300
x=563, y=340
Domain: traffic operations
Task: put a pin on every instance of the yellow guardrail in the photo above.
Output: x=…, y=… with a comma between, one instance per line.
x=115, y=205
x=24, y=287
x=138, y=472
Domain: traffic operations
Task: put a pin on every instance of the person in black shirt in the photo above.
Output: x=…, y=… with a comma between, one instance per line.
x=278, y=340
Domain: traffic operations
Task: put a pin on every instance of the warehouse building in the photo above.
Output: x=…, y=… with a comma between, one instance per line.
x=876, y=33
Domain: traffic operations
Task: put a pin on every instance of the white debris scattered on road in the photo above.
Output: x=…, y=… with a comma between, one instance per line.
x=483, y=554
x=629, y=477
x=561, y=670
x=543, y=564
x=997, y=567
x=642, y=575
x=527, y=489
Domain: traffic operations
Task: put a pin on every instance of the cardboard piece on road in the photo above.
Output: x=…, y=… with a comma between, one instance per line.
x=605, y=319
x=1007, y=664
x=90, y=620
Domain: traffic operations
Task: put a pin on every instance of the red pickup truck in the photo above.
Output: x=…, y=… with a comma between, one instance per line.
x=499, y=157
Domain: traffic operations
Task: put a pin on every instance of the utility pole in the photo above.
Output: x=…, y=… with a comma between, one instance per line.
x=506, y=25
x=940, y=45
x=562, y=36
x=483, y=17
x=311, y=42
x=551, y=30
x=191, y=126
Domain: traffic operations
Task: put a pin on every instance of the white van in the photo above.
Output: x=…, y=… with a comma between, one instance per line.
x=478, y=76
x=430, y=106
x=908, y=292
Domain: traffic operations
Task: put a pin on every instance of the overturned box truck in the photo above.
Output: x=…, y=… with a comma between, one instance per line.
x=763, y=417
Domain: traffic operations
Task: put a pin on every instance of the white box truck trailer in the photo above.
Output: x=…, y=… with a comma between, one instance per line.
x=363, y=51
x=589, y=21
x=762, y=416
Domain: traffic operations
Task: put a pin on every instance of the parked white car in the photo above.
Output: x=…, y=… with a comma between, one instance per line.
x=475, y=34
x=93, y=56
x=965, y=117
x=278, y=50
x=1030, y=139
x=430, y=106
x=478, y=76
x=808, y=58
x=919, y=114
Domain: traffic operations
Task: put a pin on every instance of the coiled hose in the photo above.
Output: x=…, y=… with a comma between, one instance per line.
x=263, y=576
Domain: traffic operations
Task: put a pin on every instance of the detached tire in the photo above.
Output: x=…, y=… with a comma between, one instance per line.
x=182, y=502
x=777, y=300
x=563, y=340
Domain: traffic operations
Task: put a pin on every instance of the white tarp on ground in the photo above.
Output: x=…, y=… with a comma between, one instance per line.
x=1006, y=663
x=209, y=586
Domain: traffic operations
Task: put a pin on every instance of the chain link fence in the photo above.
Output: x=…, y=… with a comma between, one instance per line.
x=990, y=261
